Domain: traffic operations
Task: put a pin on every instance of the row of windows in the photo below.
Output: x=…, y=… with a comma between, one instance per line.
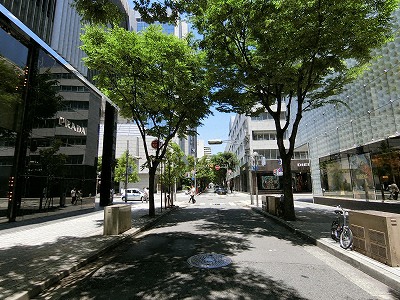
x=266, y=116
x=268, y=153
x=71, y=159
x=66, y=141
x=72, y=88
x=75, y=105
x=167, y=28
x=63, y=76
x=264, y=136
x=274, y=154
x=52, y=123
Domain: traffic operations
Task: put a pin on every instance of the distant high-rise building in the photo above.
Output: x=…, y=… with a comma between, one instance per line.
x=180, y=30
x=207, y=151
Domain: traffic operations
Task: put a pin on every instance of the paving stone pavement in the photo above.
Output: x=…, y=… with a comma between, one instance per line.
x=313, y=222
x=36, y=255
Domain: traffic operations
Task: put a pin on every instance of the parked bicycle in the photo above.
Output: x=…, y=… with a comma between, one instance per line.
x=341, y=232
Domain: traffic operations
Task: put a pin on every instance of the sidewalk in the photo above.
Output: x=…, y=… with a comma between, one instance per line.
x=313, y=224
x=35, y=254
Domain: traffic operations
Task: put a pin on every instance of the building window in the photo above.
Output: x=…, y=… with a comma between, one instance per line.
x=300, y=155
x=264, y=135
x=266, y=116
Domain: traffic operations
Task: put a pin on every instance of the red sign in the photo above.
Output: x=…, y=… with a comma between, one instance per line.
x=155, y=144
x=217, y=167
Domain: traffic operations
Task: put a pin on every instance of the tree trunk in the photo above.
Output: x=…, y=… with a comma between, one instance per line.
x=289, y=213
x=152, y=177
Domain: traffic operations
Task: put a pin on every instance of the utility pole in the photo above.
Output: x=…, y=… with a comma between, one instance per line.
x=194, y=158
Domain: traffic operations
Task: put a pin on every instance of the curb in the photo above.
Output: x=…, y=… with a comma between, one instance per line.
x=36, y=289
x=367, y=266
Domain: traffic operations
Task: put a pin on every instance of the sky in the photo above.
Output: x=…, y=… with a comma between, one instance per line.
x=215, y=127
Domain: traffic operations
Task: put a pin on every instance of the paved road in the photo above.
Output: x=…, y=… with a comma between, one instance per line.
x=268, y=262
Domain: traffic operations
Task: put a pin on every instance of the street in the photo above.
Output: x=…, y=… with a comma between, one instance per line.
x=268, y=262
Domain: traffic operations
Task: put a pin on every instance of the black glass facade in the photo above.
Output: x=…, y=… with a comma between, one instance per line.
x=49, y=122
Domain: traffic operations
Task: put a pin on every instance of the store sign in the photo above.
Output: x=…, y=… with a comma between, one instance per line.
x=71, y=125
x=303, y=164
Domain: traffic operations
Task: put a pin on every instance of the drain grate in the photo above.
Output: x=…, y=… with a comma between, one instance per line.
x=209, y=260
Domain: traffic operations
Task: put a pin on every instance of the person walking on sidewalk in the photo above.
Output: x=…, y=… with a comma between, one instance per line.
x=192, y=193
x=394, y=191
x=73, y=195
x=146, y=194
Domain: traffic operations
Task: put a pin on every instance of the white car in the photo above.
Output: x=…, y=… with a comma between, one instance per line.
x=132, y=195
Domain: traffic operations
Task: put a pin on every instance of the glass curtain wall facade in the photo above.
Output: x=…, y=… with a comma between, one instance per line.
x=355, y=149
x=364, y=172
x=49, y=119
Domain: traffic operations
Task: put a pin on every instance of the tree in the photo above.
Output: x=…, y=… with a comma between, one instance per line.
x=268, y=52
x=226, y=161
x=265, y=53
x=174, y=166
x=52, y=163
x=122, y=168
x=98, y=11
x=204, y=172
x=156, y=79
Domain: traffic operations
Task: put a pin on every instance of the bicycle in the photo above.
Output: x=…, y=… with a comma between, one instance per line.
x=341, y=232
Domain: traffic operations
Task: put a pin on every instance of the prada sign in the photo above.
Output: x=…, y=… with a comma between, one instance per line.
x=71, y=125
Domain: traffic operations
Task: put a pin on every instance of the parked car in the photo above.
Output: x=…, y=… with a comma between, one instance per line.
x=221, y=191
x=132, y=195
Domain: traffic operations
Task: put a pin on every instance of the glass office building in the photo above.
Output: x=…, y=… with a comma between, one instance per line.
x=49, y=122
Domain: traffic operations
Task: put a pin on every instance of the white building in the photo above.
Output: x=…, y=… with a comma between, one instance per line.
x=253, y=140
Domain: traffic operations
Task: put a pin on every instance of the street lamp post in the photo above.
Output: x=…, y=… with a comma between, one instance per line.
x=126, y=166
x=194, y=174
x=254, y=156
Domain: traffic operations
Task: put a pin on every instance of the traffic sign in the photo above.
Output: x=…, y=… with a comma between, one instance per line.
x=217, y=167
x=155, y=144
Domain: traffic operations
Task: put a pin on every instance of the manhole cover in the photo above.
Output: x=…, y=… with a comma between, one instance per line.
x=209, y=260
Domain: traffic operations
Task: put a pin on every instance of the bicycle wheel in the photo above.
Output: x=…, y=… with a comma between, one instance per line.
x=346, y=238
x=335, y=231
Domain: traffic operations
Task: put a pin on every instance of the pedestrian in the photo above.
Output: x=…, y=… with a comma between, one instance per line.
x=192, y=193
x=78, y=197
x=146, y=194
x=73, y=195
x=394, y=191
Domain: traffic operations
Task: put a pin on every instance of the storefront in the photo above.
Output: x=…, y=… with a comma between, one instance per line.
x=49, y=120
x=364, y=172
x=268, y=177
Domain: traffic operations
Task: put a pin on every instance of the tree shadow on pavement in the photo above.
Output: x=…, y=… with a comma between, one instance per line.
x=154, y=266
